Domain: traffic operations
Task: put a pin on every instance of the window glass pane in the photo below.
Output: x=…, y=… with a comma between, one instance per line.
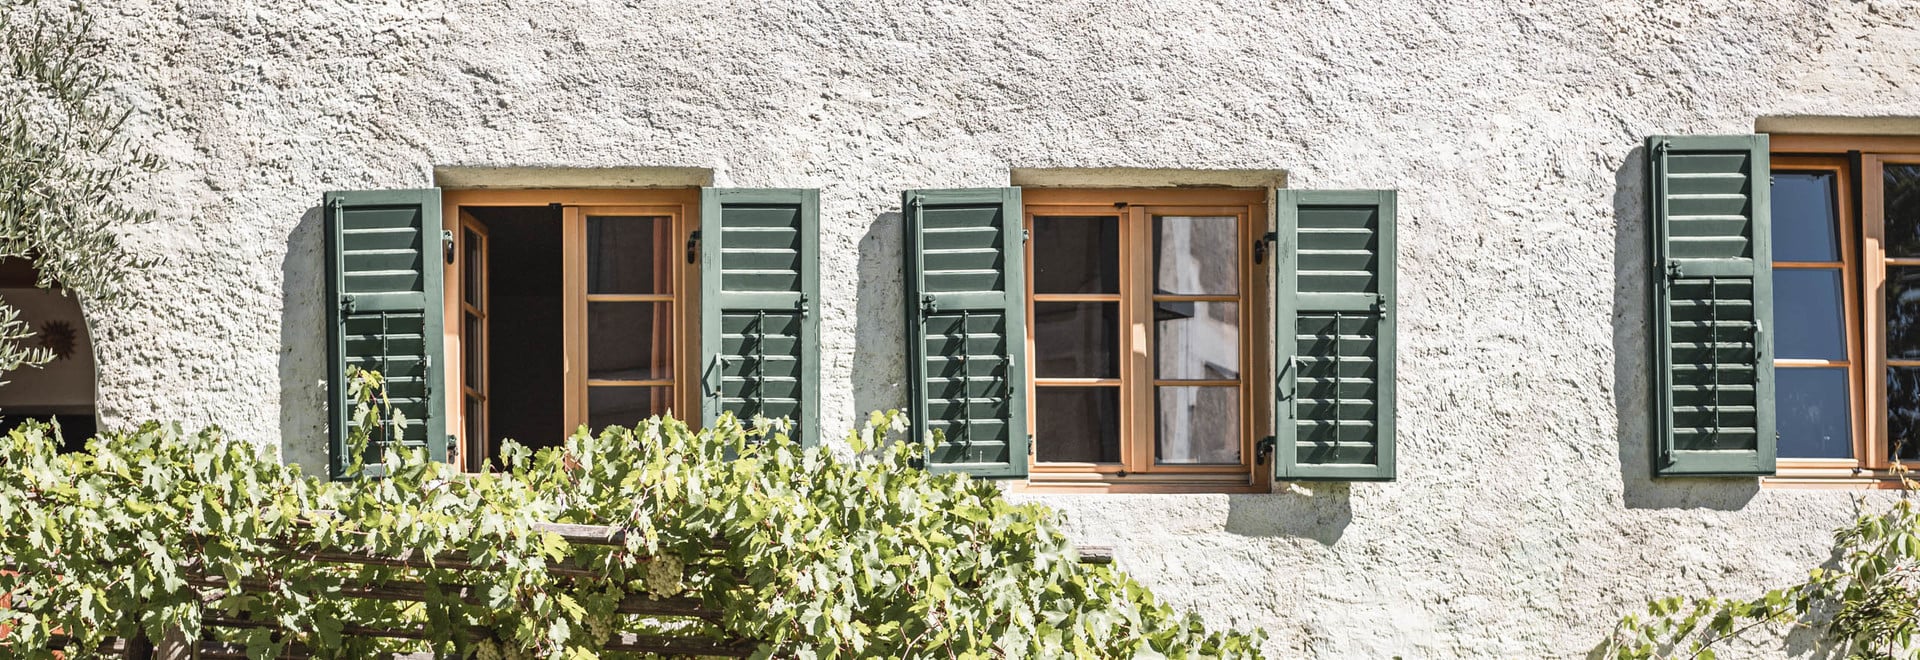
x=1076, y=339
x=1815, y=419
x=628, y=340
x=475, y=350
x=1195, y=254
x=475, y=418
x=1808, y=311
x=1903, y=412
x=1903, y=312
x=624, y=406
x=1076, y=254
x=1198, y=425
x=1902, y=205
x=1197, y=340
x=1077, y=424
x=1804, y=211
x=473, y=278
x=623, y=254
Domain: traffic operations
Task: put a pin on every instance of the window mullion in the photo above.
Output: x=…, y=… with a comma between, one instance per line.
x=1873, y=278
x=1136, y=290
x=573, y=285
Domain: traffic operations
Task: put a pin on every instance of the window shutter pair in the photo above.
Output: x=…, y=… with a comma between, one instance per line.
x=1711, y=279
x=760, y=283
x=967, y=333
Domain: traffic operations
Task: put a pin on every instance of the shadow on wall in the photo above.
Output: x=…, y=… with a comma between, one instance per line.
x=1322, y=515
x=303, y=341
x=879, y=368
x=1633, y=393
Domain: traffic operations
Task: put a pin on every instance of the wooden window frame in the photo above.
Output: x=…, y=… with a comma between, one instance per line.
x=682, y=205
x=472, y=386
x=1134, y=210
x=1864, y=300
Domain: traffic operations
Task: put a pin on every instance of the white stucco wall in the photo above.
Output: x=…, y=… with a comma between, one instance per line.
x=1523, y=521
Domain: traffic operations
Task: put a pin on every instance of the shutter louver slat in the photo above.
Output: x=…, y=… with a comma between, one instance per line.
x=966, y=314
x=384, y=314
x=760, y=284
x=1333, y=300
x=1711, y=276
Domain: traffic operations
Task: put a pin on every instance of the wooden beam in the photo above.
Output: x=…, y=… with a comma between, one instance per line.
x=416, y=592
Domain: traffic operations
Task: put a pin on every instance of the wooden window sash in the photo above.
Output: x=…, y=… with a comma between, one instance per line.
x=473, y=451
x=1850, y=304
x=663, y=334
x=1134, y=211
x=1876, y=262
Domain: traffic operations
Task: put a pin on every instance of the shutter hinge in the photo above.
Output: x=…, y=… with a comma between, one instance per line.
x=1380, y=303
x=1260, y=246
x=1674, y=272
x=803, y=306
x=1026, y=235
x=347, y=303
x=915, y=203
x=1263, y=449
x=928, y=305
x=693, y=246
x=446, y=243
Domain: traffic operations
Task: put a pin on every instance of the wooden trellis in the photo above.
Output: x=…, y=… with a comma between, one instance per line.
x=400, y=590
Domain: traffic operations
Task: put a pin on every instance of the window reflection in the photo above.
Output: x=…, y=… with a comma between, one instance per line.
x=1195, y=255
x=1080, y=424
x=1811, y=319
x=622, y=254
x=623, y=406
x=1903, y=412
x=1902, y=205
x=1197, y=340
x=1903, y=312
x=1804, y=227
x=1198, y=425
x=1076, y=339
x=1815, y=417
x=628, y=340
x=1074, y=254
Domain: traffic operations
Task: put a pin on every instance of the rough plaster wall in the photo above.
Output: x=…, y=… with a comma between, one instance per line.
x=1523, y=521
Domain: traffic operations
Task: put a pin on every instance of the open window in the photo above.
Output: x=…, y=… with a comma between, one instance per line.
x=527, y=314
x=572, y=308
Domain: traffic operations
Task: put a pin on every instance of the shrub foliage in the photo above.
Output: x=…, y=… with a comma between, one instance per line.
x=1864, y=602
x=811, y=552
x=66, y=162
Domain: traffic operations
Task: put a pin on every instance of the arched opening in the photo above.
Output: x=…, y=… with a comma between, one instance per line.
x=62, y=390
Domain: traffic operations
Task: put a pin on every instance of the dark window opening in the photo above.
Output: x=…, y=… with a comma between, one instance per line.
x=526, y=324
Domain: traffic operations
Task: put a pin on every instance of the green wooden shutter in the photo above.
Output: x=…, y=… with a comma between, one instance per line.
x=384, y=261
x=1334, y=354
x=760, y=279
x=967, y=328
x=1710, y=211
